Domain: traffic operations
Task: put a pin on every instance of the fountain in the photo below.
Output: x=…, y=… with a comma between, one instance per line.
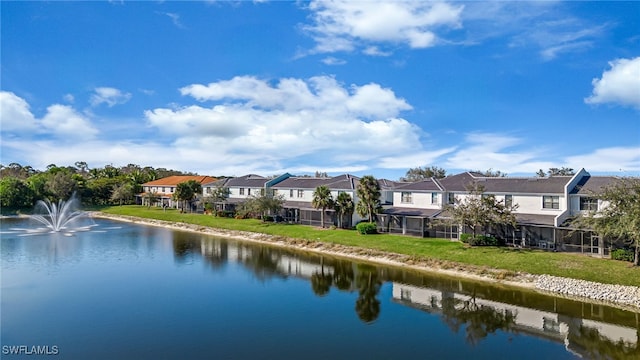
x=61, y=217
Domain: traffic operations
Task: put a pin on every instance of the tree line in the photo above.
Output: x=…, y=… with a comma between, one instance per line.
x=22, y=186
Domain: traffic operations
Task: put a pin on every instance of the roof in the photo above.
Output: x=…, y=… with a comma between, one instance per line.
x=533, y=185
x=593, y=184
x=340, y=182
x=177, y=179
x=424, y=185
x=251, y=180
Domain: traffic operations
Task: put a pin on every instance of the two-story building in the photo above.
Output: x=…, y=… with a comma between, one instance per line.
x=543, y=207
x=298, y=196
x=161, y=190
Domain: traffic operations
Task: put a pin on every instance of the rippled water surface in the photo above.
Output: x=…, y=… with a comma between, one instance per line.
x=127, y=291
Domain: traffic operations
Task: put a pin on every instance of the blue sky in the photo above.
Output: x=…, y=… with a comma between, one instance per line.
x=230, y=88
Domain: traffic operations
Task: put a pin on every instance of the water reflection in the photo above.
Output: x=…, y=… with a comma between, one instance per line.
x=293, y=288
x=478, y=310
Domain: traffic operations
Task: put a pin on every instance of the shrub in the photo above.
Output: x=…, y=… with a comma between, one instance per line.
x=480, y=240
x=366, y=228
x=622, y=254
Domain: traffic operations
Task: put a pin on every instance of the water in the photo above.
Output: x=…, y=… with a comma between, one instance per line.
x=138, y=292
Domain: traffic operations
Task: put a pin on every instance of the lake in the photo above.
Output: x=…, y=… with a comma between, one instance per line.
x=128, y=291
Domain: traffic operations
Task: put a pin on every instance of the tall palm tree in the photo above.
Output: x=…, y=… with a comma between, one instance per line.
x=368, y=191
x=322, y=199
x=344, y=206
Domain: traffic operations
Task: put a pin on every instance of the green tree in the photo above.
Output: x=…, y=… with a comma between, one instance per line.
x=61, y=185
x=123, y=193
x=263, y=205
x=620, y=215
x=150, y=198
x=187, y=191
x=419, y=174
x=563, y=171
x=491, y=173
x=344, y=207
x=368, y=191
x=480, y=211
x=322, y=199
x=15, y=193
x=218, y=195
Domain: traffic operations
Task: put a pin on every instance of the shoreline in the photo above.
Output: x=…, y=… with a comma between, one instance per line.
x=620, y=296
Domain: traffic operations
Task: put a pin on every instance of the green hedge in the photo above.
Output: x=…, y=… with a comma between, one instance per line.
x=480, y=240
x=366, y=228
x=622, y=254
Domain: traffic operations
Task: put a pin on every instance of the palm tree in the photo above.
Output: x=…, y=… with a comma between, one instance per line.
x=344, y=206
x=368, y=191
x=322, y=199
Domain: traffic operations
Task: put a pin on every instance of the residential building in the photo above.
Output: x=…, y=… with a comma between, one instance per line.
x=298, y=195
x=163, y=189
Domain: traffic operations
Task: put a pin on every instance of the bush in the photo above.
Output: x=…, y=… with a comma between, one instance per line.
x=622, y=254
x=366, y=228
x=480, y=240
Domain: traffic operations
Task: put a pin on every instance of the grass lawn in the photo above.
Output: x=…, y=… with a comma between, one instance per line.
x=531, y=261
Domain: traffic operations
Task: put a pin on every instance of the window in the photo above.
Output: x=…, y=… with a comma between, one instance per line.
x=300, y=193
x=163, y=190
x=451, y=198
x=551, y=202
x=261, y=192
x=248, y=191
x=208, y=190
x=588, y=204
x=508, y=201
x=406, y=197
x=291, y=193
x=434, y=198
x=241, y=191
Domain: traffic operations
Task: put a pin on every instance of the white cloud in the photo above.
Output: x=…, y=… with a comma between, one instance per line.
x=620, y=84
x=64, y=121
x=330, y=60
x=342, y=25
x=15, y=113
x=69, y=98
x=317, y=120
x=110, y=96
x=375, y=51
x=175, y=18
x=482, y=151
x=414, y=159
x=611, y=159
x=60, y=120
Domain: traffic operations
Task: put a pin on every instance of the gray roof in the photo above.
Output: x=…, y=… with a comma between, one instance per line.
x=425, y=185
x=340, y=182
x=534, y=185
x=593, y=184
x=251, y=180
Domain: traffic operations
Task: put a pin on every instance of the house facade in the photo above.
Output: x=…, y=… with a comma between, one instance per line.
x=543, y=208
x=161, y=191
x=298, y=196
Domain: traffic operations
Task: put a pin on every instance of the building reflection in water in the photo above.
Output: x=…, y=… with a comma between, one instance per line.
x=597, y=332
